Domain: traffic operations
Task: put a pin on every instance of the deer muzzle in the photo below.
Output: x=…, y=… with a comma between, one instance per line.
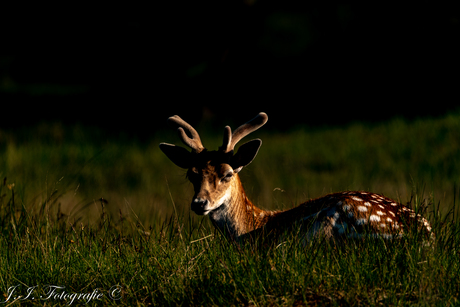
x=200, y=206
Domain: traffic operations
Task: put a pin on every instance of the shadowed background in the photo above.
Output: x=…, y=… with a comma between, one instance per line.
x=85, y=93
x=127, y=67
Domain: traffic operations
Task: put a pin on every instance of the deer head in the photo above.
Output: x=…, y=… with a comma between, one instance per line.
x=213, y=173
x=219, y=194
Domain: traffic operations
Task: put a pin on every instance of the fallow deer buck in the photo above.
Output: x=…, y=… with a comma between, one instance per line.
x=220, y=194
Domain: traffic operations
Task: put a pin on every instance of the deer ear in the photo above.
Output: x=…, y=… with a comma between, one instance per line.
x=246, y=153
x=178, y=155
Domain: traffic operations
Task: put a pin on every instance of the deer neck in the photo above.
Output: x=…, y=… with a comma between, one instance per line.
x=237, y=215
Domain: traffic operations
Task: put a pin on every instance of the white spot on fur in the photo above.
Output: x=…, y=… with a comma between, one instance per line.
x=361, y=221
x=339, y=203
x=374, y=218
x=380, y=213
x=392, y=213
x=381, y=207
x=334, y=218
x=261, y=214
x=389, y=220
x=383, y=225
x=367, y=204
x=394, y=204
x=356, y=198
x=362, y=209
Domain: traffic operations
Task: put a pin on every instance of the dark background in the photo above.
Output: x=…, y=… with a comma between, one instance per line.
x=127, y=67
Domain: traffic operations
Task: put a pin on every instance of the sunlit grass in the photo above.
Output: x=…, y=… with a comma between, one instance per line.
x=88, y=211
x=195, y=266
x=292, y=166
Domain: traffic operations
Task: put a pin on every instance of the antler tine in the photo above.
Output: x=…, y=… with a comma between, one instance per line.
x=231, y=140
x=227, y=139
x=194, y=141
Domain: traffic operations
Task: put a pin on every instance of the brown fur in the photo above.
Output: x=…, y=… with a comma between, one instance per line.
x=350, y=214
x=220, y=194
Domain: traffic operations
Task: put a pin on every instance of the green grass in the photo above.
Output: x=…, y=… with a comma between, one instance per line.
x=181, y=265
x=56, y=230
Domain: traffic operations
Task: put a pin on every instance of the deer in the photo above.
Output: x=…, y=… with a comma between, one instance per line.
x=219, y=193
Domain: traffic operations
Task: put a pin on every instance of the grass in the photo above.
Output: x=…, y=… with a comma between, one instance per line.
x=193, y=266
x=55, y=229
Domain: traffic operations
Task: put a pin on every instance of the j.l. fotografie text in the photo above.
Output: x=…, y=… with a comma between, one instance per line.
x=58, y=293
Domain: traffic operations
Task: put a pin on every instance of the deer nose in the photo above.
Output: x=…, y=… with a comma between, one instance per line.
x=199, y=205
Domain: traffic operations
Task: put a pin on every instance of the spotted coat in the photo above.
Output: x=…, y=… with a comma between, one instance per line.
x=353, y=214
x=220, y=194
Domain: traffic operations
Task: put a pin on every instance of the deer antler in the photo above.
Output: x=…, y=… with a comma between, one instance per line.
x=193, y=141
x=230, y=140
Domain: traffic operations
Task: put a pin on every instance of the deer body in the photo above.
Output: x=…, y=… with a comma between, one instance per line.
x=219, y=193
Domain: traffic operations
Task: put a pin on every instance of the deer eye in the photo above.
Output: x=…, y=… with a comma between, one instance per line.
x=227, y=176
x=192, y=174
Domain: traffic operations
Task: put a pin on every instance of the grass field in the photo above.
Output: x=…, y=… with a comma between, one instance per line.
x=108, y=219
